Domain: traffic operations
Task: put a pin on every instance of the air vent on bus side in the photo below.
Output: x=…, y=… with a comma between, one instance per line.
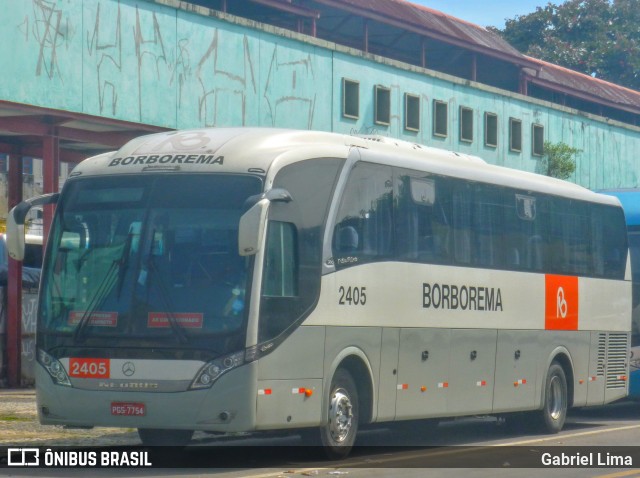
x=617, y=357
x=602, y=354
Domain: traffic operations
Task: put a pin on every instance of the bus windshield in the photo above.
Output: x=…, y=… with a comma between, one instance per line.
x=148, y=260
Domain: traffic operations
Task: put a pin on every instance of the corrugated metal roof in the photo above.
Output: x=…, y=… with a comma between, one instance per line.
x=567, y=79
x=418, y=17
x=429, y=20
x=451, y=26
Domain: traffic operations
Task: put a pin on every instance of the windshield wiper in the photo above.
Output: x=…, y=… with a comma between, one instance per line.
x=124, y=262
x=118, y=266
x=101, y=293
x=165, y=297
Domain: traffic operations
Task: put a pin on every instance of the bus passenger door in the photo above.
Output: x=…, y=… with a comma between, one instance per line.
x=423, y=373
x=472, y=362
x=388, y=374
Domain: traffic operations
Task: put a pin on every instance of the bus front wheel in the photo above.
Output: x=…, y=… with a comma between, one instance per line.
x=164, y=437
x=338, y=433
x=554, y=411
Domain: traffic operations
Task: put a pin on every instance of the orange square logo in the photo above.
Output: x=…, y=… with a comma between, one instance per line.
x=561, y=303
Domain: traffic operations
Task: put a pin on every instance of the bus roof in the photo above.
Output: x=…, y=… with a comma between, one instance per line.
x=630, y=200
x=255, y=151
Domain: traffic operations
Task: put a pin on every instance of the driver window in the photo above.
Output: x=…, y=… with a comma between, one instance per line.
x=281, y=264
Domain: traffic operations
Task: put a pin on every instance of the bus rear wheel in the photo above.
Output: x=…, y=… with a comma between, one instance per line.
x=164, y=437
x=554, y=411
x=338, y=434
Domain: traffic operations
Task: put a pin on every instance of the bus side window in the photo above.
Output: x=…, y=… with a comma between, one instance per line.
x=614, y=244
x=462, y=217
x=346, y=239
x=365, y=213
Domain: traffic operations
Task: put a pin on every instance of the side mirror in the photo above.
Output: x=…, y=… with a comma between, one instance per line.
x=15, y=223
x=254, y=221
x=251, y=229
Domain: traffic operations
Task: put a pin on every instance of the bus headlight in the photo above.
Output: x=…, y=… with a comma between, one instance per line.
x=54, y=367
x=211, y=371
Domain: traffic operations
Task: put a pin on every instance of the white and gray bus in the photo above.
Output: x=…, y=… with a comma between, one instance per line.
x=254, y=279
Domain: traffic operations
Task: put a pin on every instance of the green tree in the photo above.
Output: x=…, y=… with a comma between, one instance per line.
x=600, y=38
x=558, y=160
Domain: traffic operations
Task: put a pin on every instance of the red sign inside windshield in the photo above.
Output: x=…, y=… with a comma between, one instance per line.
x=189, y=320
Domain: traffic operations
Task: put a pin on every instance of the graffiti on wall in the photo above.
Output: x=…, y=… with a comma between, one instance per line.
x=29, y=317
x=47, y=32
x=138, y=66
x=106, y=49
x=218, y=84
x=292, y=75
x=27, y=339
x=152, y=61
x=51, y=29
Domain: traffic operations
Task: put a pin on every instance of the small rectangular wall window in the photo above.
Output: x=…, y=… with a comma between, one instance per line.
x=350, y=99
x=411, y=112
x=515, y=135
x=382, y=105
x=491, y=130
x=466, y=124
x=537, y=140
x=440, y=118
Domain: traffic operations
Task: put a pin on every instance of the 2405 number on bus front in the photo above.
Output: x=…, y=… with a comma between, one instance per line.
x=89, y=368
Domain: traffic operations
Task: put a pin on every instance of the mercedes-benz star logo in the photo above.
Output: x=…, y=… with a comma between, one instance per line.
x=128, y=369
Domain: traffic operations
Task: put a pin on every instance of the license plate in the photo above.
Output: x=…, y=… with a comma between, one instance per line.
x=128, y=409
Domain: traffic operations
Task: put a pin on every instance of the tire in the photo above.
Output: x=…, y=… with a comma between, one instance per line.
x=338, y=434
x=164, y=437
x=554, y=409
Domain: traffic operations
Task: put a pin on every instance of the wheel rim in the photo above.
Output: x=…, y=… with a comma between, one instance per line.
x=556, y=398
x=340, y=416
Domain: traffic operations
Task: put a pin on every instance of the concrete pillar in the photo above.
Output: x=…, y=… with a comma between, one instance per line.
x=50, y=173
x=14, y=285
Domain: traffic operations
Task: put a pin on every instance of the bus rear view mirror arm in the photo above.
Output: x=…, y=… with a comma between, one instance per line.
x=253, y=222
x=15, y=223
x=272, y=195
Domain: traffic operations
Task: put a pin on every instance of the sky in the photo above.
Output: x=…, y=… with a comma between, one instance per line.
x=484, y=13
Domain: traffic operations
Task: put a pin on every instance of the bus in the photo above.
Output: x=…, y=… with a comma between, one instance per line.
x=630, y=199
x=234, y=280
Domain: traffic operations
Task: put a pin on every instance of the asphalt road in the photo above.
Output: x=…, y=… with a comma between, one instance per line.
x=470, y=447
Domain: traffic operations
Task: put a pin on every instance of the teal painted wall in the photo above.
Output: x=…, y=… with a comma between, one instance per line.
x=141, y=61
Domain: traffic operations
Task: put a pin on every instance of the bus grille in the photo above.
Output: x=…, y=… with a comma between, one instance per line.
x=617, y=358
